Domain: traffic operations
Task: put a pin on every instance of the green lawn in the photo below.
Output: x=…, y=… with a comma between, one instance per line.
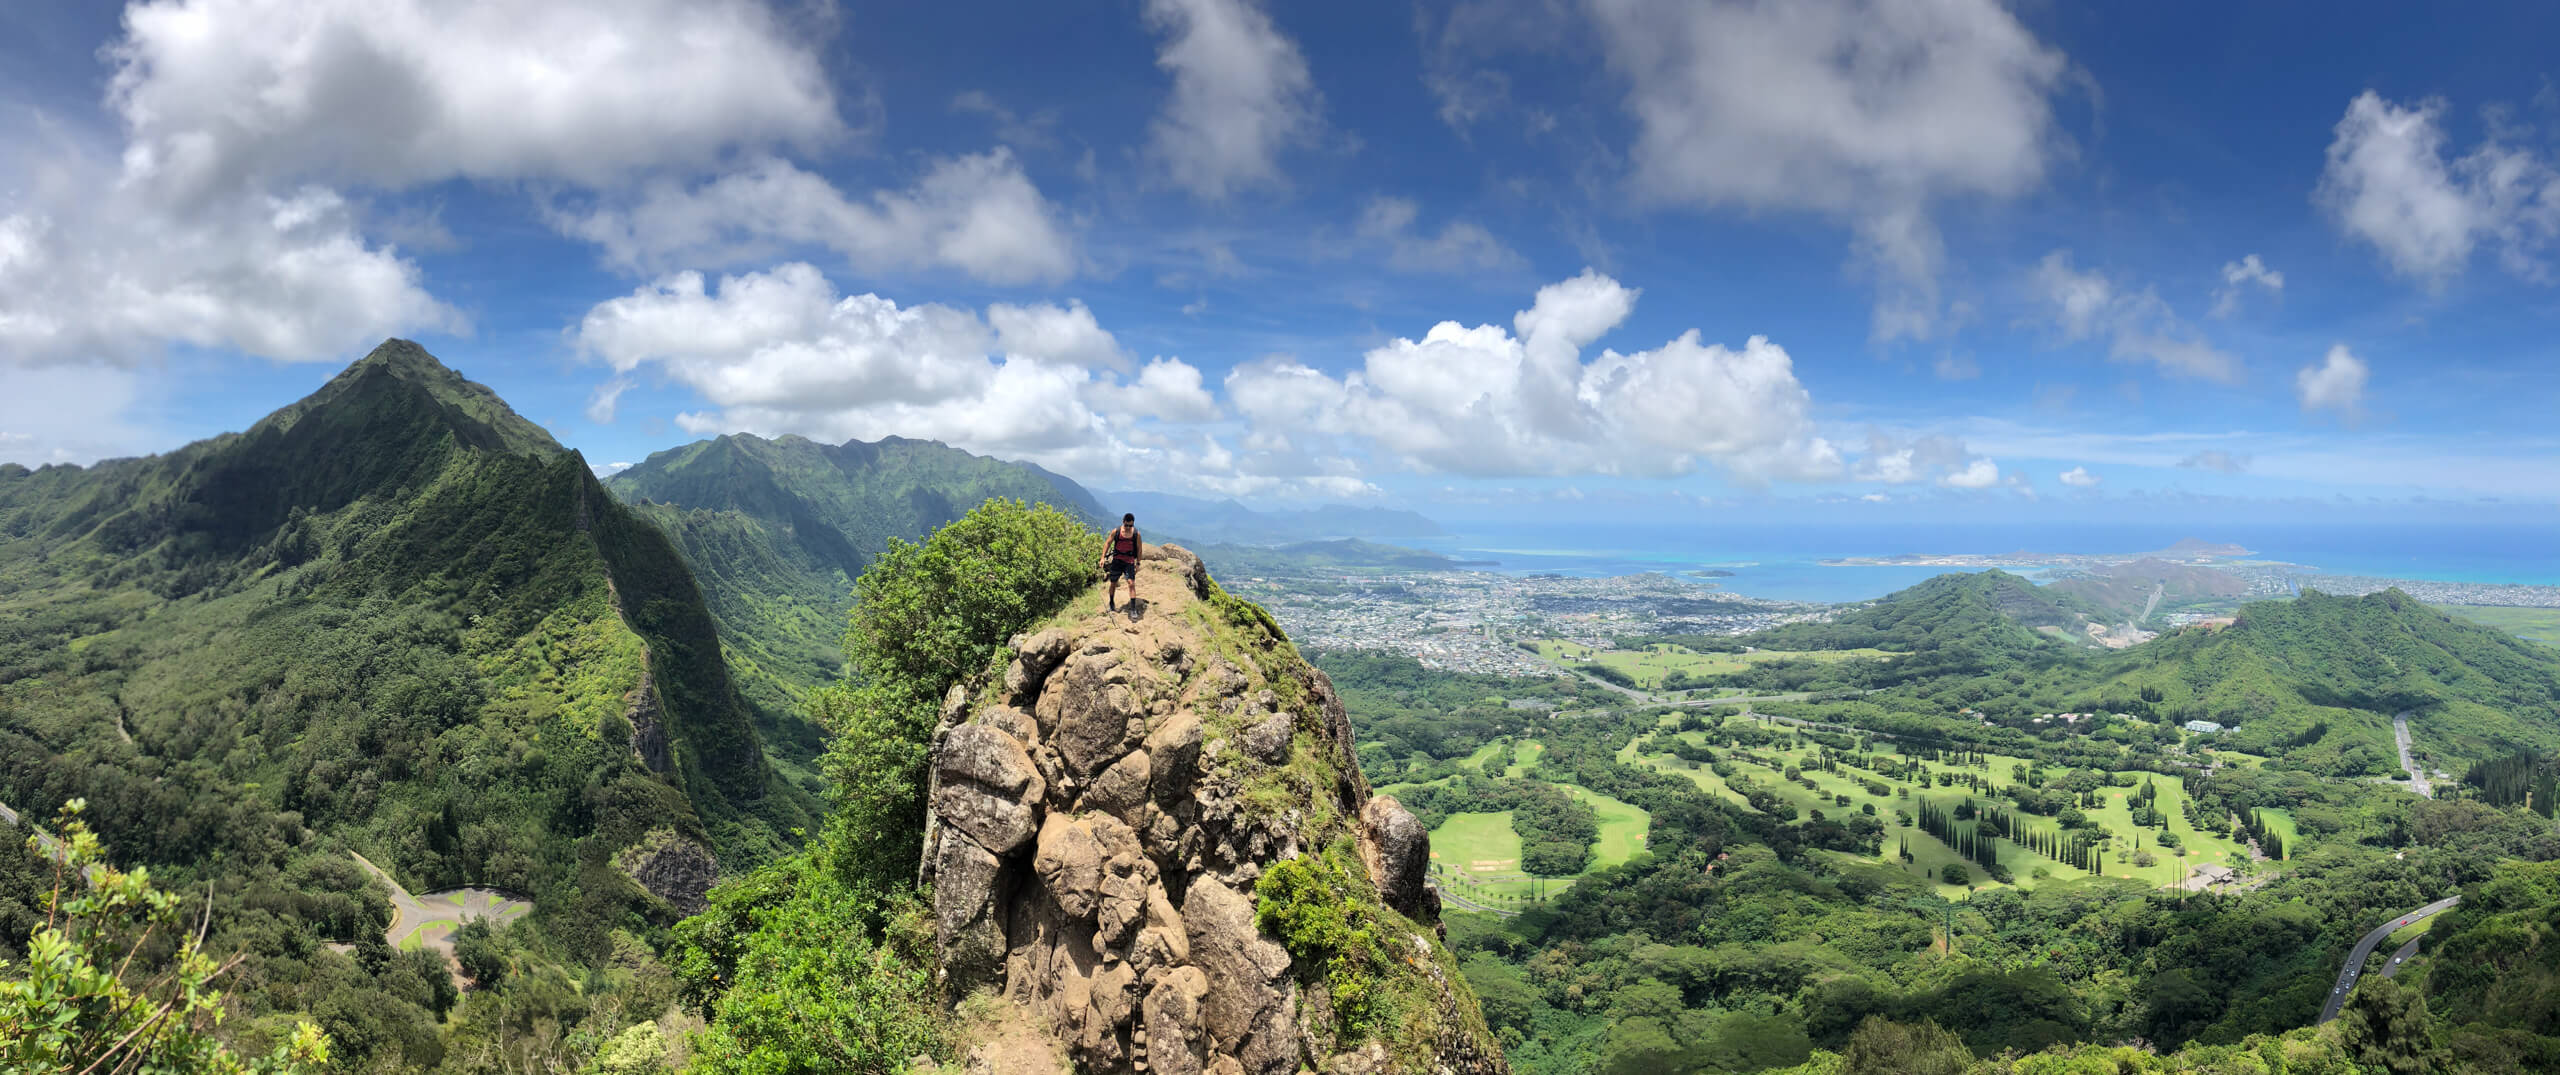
x=1928, y=853
x=2280, y=822
x=1650, y=666
x=1530, y=750
x=1483, y=754
x=1623, y=827
x=1478, y=856
x=1705, y=778
x=2538, y=624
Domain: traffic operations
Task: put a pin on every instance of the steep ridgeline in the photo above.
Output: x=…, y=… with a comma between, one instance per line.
x=393, y=613
x=1150, y=831
x=777, y=530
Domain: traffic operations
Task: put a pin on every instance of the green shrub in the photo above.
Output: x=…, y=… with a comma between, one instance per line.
x=1306, y=903
x=95, y=995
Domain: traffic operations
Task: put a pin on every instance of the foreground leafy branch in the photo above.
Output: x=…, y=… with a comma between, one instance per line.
x=97, y=996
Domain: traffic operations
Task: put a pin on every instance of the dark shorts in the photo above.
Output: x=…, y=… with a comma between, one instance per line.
x=1120, y=569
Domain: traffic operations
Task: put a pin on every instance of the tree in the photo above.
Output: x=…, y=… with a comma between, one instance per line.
x=927, y=616
x=96, y=995
x=1956, y=874
x=1882, y=1047
x=2385, y=1026
x=482, y=956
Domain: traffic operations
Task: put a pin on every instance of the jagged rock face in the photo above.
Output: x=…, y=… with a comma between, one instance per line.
x=673, y=868
x=1100, y=815
x=648, y=728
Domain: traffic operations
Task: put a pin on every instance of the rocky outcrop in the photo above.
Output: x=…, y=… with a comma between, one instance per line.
x=673, y=868
x=1101, y=811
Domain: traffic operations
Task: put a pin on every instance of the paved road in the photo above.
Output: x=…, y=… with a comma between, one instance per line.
x=42, y=837
x=2355, y=959
x=430, y=920
x=1465, y=904
x=2392, y=969
x=2417, y=777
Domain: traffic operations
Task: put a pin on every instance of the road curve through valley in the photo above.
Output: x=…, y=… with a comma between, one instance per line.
x=2355, y=959
x=429, y=920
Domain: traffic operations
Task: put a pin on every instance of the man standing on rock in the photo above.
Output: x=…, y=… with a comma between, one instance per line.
x=1122, y=562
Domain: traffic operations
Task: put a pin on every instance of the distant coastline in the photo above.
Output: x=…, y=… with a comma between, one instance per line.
x=2188, y=551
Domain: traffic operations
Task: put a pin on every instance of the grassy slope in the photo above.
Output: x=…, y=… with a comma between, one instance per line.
x=777, y=530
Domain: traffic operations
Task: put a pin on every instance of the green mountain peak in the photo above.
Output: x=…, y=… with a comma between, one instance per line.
x=401, y=376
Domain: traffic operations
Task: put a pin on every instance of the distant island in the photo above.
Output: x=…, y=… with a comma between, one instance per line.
x=2188, y=551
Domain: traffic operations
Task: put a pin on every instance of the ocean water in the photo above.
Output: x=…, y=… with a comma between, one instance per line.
x=1783, y=561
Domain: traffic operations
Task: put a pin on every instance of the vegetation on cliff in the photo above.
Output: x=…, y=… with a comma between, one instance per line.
x=392, y=618
x=816, y=961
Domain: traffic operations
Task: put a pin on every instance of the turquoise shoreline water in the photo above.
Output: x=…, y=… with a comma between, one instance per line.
x=1783, y=562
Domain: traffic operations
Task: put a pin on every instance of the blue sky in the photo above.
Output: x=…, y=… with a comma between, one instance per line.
x=1952, y=259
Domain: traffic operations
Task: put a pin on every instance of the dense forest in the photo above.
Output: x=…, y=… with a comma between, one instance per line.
x=394, y=620
x=1759, y=937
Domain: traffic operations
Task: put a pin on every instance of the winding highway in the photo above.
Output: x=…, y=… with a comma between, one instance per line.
x=2364, y=948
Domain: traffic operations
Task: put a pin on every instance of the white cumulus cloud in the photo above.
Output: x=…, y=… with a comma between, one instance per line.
x=1490, y=401
x=1870, y=112
x=1241, y=94
x=1897, y=462
x=1979, y=474
x=2389, y=183
x=1461, y=245
x=783, y=352
x=2079, y=478
x=228, y=210
x=2136, y=325
x=244, y=94
x=2236, y=275
x=977, y=214
x=2335, y=383
x=112, y=276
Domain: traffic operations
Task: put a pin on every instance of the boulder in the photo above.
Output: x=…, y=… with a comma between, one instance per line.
x=1173, y=752
x=1069, y=863
x=1121, y=790
x=1240, y=962
x=1086, y=707
x=1267, y=741
x=968, y=897
x=1397, y=850
x=986, y=786
x=1172, y=1015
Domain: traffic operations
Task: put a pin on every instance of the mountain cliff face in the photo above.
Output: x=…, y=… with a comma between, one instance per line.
x=393, y=612
x=777, y=530
x=1149, y=830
